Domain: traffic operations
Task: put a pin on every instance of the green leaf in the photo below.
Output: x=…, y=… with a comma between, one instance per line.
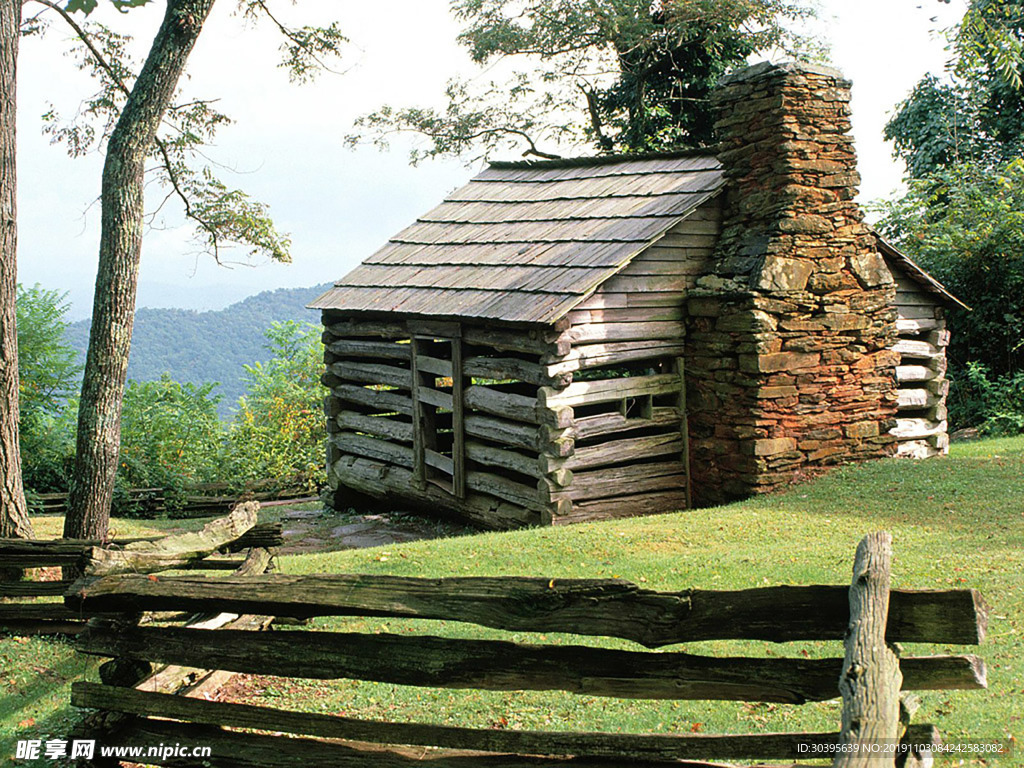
x=85, y=6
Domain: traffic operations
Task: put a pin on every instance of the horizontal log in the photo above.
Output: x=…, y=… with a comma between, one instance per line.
x=913, y=373
x=491, y=456
x=597, y=607
x=372, y=373
x=590, y=427
x=609, y=390
x=531, y=342
x=605, y=299
x=433, y=365
x=655, y=503
x=917, y=350
x=375, y=350
x=380, y=400
x=906, y=326
x=627, y=480
x=375, y=425
x=623, y=746
x=372, y=448
x=613, y=332
x=435, y=397
x=32, y=588
x=526, y=496
x=38, y=612
x=589, y=356
x=393, y=483
x=918, y=429
x=172, y=551
x=915, y=399
x=429, y=661
x=347, y=328
x=648, y=284
x=524, y=436
x=515, y=407
x=627, y=449
x=234, y=749
x=514, y=369
x=626, y=315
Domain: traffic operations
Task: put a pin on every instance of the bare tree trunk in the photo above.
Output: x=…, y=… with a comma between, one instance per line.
x=106, y=366
x=14, y=520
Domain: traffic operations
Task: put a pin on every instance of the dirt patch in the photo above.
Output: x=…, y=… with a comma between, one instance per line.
x=314, y=530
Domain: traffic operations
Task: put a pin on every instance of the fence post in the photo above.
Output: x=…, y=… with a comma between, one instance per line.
x=871, y=678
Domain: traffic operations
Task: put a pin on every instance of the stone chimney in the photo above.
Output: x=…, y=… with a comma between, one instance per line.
x=789, y=366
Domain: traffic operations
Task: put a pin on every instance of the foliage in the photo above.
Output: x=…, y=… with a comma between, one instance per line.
x=975, y=115
x=207, y=346
x=48, y=364
x=171, y=438
x=278, y=432
x=994, y=405
x=223, y=217
x=622, y=75
x=50, y=373
x=966, y=227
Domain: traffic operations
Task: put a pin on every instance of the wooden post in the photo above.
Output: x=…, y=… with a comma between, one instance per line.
x=871, y=678
x=684, y=428
x=458, y=422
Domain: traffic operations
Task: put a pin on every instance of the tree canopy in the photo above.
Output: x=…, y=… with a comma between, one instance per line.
x=619, y=75
x=974, y=115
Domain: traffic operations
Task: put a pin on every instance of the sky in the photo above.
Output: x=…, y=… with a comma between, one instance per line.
x=285, y=146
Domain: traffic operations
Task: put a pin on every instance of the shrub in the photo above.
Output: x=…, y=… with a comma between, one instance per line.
x=995, y=405
x=279, y=432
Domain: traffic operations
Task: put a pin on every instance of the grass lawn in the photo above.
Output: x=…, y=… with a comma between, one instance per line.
x=956, y=522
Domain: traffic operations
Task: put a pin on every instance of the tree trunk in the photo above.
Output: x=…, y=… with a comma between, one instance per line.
x=106, y=366
x=14, y=522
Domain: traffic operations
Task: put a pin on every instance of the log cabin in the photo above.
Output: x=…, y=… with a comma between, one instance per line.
x=579, y=339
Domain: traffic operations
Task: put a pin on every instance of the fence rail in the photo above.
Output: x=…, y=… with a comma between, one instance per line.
x=867, y=614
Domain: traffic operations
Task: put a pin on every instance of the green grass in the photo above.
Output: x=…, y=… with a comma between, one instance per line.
x=956, y=522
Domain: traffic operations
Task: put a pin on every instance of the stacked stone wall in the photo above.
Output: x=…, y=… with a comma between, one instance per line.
x=789, y=363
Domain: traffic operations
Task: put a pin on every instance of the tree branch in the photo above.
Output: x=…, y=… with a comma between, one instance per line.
x=172, y=176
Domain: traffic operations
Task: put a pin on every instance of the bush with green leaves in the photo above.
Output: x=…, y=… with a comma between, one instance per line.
x=49, y=372
x=278, y=432
x=995, y=405
x=966, y=227
x=171, y=439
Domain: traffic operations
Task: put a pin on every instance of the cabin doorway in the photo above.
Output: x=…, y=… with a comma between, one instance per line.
x=438, y=414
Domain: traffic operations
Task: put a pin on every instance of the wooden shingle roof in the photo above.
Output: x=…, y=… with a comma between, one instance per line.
x=526, y=242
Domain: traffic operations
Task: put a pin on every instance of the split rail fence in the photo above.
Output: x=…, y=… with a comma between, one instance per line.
x=868, y=616
x=26, y=606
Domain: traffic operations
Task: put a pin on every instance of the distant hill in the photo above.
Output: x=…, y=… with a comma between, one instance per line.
x=208, y=346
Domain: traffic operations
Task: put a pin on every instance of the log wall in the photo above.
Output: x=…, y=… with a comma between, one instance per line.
x=627, y=343
x=921, y=425
x=488, y=450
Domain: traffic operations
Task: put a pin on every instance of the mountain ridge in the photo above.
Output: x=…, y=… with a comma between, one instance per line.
x=199, y=346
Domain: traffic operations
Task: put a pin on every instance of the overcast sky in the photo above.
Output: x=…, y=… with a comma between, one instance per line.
x=286, y=144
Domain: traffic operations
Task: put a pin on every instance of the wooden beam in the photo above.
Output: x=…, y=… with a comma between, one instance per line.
x=608, y=390
x=372, y=373
x=871, y=677
x=429, y=661
x=372, y=448
x=590, y=427
x=381, y=400
x=625, y=450
x=621, y=746
x=233, y=749
x=375, y=425
x=598, y=607
x=375, y=350
x=172, y=551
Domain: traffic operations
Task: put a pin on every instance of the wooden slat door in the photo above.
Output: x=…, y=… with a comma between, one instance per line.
x=438, y=412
